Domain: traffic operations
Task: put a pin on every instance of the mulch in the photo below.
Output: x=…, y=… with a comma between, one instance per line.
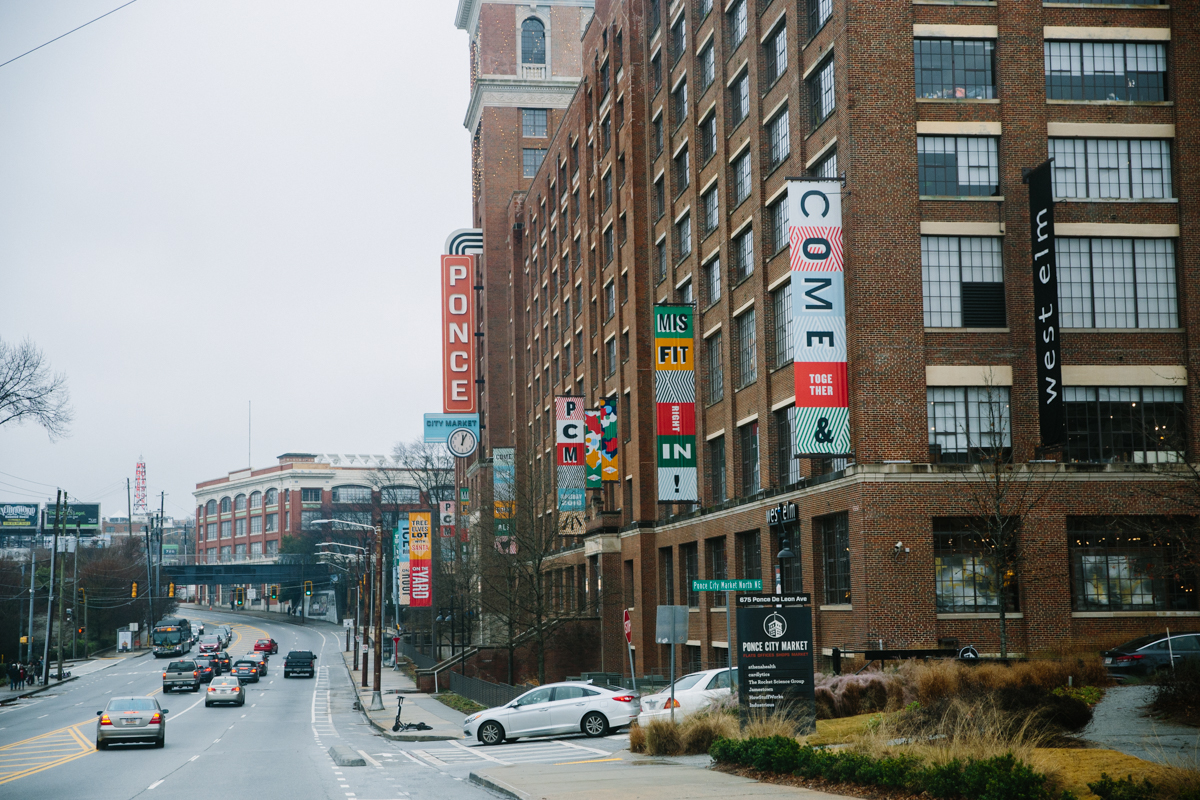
x=821, y=785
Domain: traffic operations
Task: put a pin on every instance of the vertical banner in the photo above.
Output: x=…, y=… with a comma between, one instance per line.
x=400, y=548
x=1051, y=415
x=446, y=518
x=591, y=451
x=458, y=335
x=819, y=318
x=420, y=556
x=609, y=468
x=568, y=452
x=675, y=403
x=504, y=475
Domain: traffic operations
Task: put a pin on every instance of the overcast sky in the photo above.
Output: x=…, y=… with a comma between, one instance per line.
x=210, y=202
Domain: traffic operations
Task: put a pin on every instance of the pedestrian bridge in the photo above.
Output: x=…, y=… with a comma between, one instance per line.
x=237, y=569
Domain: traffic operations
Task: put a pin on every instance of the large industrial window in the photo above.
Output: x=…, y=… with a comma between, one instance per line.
x=690, y=554
x=352, y=494
x=742, y=252
x=1106, y=71
x=834, y=531
x=958, y=166
x=1134, y=169
x=716, y=369
x=716, y=470
x=717, y=568
x=960, y=69
x=748, y=444
x=741, y=178
x=712, y=280
x=787, y=466
x=707, y=65
x=751, y=550
x=968, y=423
x=737, y=23
x=747, y=350
x=776, y=56
x=1117, y=283
x=739, y=100
x=1119, y=564
x=965, y=576
x=781, y=312
x=779, y=143
x=710, y=210
x=531, y=159
x=821, y=93
x=962, y=280
x=819, y=12
x=1124, y=424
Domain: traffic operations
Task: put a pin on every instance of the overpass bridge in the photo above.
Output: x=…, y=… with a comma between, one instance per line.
x=238, y=569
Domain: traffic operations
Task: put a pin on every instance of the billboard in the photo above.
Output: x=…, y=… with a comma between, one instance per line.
x=504, y=476
x=18, y=515
x=819, y=317
x=85, y=515
x=675, y=403
x=1051, y=414
x=420, y=559
x=400, y=587
x=458, y=335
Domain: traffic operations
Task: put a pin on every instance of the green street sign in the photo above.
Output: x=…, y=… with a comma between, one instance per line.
x=739, y=585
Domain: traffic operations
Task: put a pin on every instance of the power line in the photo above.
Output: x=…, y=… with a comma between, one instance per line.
x=68, y=33
x=26, y=480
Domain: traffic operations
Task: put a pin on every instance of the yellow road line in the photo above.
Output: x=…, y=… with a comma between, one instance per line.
x=589, y=761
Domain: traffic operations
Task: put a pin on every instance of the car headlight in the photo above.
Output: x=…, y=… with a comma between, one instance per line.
x=472, y=718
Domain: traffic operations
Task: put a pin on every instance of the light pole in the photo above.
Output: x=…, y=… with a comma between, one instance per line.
x=376, y=605
x=357, y=594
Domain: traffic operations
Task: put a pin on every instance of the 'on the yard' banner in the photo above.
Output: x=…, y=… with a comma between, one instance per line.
x=819, y=317
x=420, y=558
x=675, y=403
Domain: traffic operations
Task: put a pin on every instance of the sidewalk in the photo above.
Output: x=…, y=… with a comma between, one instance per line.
x=446, y=723
x=77, y=667
x=1120, y=722
x=628, y=780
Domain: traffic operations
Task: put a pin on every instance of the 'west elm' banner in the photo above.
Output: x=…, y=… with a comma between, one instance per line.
x=568, y=452
x=675, y=403
x=420, y=555
x=1051, y=415
x=819, y=318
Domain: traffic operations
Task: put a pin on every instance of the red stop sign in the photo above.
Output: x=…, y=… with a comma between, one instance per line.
x=628, y=629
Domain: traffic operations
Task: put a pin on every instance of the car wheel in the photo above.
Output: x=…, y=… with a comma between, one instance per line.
x=166, y=690
x=242, y=702
x=594, y=724
x=491, y=732
x=101, y=745
x=207, y=704
x=160, y=743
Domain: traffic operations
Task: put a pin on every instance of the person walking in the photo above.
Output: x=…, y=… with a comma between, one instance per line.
x=12, y=676
x=24, y=676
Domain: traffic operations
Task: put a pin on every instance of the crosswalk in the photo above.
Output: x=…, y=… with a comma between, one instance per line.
x=553, y=751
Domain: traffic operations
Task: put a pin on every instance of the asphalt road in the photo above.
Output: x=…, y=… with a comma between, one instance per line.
x=275, y=746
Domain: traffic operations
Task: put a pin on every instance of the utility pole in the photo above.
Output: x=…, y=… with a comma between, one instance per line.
x=75, y=588
x=62, y=606
x=33, y=584
x=162, y=501
x=376, y=694
x=59, y=505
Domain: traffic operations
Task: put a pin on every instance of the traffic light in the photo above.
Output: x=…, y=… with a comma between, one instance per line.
x=240, y=596
x=308, y=588
x=79, y=630
x=171, y=589
x=274, y=592
x=133, y=590
x=82, y=595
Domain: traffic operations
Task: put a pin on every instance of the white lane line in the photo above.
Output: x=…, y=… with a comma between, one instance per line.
x=189, y=708
x=374, y=763
x=154, y=785
x=243, y=716
x=478, y=751
x=43, y=716
x=585, y=749
x=193, y=758
x=431, y=759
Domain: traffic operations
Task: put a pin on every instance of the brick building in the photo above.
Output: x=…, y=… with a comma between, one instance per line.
x=663, y=179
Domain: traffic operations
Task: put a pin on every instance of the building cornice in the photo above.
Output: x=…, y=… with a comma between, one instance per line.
x=466, y=16
x=511, y=92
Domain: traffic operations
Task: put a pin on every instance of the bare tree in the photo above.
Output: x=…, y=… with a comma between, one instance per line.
x=29, y=392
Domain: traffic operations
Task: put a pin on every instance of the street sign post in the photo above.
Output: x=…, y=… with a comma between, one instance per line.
x=629, y=647
x=671, y=627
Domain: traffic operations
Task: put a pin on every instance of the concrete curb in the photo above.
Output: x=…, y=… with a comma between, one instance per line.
x=343, y=756
x=499, y=787
x=38, y=690
x=387, y=732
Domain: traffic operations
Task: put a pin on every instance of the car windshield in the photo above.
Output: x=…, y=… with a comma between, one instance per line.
x=264, y=641
x=133, y=704
x=686, y=682
x=180, y=666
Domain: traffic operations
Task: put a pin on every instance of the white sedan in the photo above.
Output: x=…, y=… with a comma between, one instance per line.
x=557, y=708
x=693, y=693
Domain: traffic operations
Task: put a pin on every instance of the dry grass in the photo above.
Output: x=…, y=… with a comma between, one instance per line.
x=663, y=739
x=840, y=730
x=931, y=681
x=699, y=731
x=637, y=738
x=1074, y=769
x=761, y=725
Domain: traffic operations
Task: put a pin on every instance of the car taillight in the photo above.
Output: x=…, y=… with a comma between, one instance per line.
x=195, y=674
x=1127, y=659
x=164, y=674
x=624, y=698
x=156, y=719
x=671, y=703
x=212, y=688
x=104, y=720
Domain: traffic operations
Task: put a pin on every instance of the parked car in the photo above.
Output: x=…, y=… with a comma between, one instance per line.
x=557, y=708
x=260, y=659
x=225, y=690
x=1152, y=653
x=131, y=719
x=269, y=646
x=693, y=692
x=245, y=669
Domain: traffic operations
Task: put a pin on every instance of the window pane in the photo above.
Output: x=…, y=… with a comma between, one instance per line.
x=533, y=122
x=531, y=159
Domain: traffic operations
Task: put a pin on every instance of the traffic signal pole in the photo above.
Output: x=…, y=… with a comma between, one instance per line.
x=58, y=514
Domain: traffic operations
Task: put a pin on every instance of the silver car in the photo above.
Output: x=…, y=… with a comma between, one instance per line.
x=557, y=708
x=225, y=690
x=131, y=719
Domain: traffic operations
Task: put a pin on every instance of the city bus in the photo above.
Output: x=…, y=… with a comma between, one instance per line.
x=171, y=636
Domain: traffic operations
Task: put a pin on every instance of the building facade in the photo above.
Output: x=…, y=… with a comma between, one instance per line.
x=665, y=179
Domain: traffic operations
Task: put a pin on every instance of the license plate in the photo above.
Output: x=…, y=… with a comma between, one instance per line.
x=131, y=722
x=1108, y=660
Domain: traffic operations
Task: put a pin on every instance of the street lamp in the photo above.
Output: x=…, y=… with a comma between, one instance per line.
x=377, y=603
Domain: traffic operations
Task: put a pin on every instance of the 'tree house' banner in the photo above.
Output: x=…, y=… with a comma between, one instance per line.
x=601, y=455
x=675, y=403
x=819, y=317
x=420, y=554
x=400, y=548
x=504, y=476
x=1051, y=415
x=591, y=452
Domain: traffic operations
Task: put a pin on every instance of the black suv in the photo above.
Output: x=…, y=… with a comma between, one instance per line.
x=300, y=662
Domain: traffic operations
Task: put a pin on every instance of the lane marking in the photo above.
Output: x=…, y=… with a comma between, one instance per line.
x=374, y=763
x=193, y=758
x=478, y=751
x=581, y=747
x=154, y=785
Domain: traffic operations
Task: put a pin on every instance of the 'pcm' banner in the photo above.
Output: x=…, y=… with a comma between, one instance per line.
x=569, y=442
x=675, y=403
x=819, y=318
x=420, y=556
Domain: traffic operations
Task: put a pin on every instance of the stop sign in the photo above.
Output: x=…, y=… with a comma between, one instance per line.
x=628, y=629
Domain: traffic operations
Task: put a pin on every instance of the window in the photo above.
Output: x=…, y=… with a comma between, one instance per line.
x=1117, y=564
x=775, y=53
x=658, y=134
x=682, y=171
x=819, y=12
x=748, y=444
x=706, y=7
x=533, y=122
x=656, y=70
x=352, y=494
x=684, y=293
x=707, y=65
x=958, y=166
x=679, y=37
x=555, y=371
x=211, y=532
x=1106, y=71
x=750, y=549
x=272, y=523
x=1135, y=169
x=679, y=100
x=779, y=143
x=962, y=280
x=660, y=260
x=741, y=178
x=712, y=280
x=227, y=526
x=310, y=495
x=666, y=575
x=777, y=221
x=609, y=248
x=967, y=423
x=610, y=356
x=716, y=470
x=603, y=80
x=610, y=300
x=1117, y=283
x=958, y=69
x=256, y=499
x=747, y=350
x=707, y=132
x=533, y=42
x=227, y=505
x=826, y=167
x=787, y=465
x=654, y=15
x=742, y=253
x=531, y=159
x=820, y=93
x=716, y=369
x=579, y=347
x=660, y=198
x=965, y=578
x=709, y=210
x=690, y=555
x=256, y=548
x=737, y=23
x=691, y=658
x=210, y=507
x=683, y=235
x=717, y=567
x=606, y=190
x=256, y=525
x=834, y=531
x=739, y=99
x=781, y=311
x=1124, y=424
x=272, y=547
x=628, y=587
x=402, y=495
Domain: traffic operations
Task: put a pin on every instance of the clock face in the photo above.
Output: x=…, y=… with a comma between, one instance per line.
x=462, y=442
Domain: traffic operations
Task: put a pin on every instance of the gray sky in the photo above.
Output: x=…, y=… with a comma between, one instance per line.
x=209, y=202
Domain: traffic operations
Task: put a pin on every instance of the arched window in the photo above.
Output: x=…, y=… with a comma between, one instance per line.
x=256, y=499
x=210, y=507
x=533, y=42
x=272, y=497
x=239, y=503
x=226, y=505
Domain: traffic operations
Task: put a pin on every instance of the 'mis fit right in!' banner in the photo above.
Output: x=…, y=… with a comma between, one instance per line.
x=819, y=318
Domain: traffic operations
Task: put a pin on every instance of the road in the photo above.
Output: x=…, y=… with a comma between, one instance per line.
x=276, y=746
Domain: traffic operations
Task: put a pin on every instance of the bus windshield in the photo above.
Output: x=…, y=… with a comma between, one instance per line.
x=168, y=637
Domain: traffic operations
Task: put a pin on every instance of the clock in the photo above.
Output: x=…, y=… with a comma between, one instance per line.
x=462, y=442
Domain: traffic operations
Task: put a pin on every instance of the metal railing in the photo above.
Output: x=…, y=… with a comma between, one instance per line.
x=420, y=660
x=484, y=692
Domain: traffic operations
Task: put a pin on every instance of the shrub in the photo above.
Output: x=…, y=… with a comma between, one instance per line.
x=699, y=731
x=1123, y=788
x=1088, y=694
x=637, y=738
x=764, y=726
x=662, y=738
x=1177, y=691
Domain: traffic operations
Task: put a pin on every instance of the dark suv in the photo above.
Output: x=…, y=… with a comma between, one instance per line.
x=1149, y=654
x=300, y=662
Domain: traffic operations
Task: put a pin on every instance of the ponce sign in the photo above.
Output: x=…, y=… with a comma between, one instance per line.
x=458, y=335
